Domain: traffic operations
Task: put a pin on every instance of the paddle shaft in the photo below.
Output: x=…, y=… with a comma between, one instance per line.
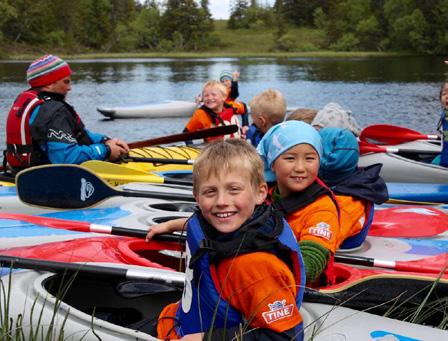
x=159, y=160
x=199, y=134
x=366, y=147
x=81, y=226
x=386, y=264
x=165, y=277
x=123, y=231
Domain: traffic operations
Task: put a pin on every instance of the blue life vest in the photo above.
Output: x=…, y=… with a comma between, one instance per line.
x=254, y=135
x=202, y=308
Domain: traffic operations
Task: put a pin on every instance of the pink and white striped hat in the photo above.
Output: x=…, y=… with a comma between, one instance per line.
x=46, y=70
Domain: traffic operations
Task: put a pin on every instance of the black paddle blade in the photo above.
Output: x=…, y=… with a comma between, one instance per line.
x=61, y=186
x=72, y=186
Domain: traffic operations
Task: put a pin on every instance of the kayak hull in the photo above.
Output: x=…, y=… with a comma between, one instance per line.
x=397, y=168
x=118, y=310
x=153, y=110
x=418, y=192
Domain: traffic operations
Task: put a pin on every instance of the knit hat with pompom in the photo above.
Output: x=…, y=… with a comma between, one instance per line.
x=46, y=70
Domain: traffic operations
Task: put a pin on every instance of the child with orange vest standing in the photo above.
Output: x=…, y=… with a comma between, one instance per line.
x=244, y=271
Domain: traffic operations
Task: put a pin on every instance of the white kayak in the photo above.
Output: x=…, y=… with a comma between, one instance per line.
x=126, y=311
x=408, y=167
x=151, y=110
x=136, y=213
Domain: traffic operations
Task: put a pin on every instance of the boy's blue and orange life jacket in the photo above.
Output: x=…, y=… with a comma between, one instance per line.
x=202, y=308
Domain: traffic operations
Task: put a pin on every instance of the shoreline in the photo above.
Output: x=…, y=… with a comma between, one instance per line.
x=188, y=55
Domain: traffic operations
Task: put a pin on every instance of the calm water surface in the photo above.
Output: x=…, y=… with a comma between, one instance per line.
x=402, y=91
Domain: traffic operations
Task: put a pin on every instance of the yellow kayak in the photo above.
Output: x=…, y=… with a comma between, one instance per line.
x=125, y=172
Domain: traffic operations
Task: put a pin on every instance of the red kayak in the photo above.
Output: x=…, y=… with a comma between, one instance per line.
x=357, y=288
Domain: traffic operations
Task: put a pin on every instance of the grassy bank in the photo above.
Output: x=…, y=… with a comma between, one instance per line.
x=240, y=43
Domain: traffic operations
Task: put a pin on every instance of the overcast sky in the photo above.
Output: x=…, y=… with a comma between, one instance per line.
x=220, y=9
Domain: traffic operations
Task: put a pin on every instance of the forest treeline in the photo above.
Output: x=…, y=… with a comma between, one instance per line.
x=417, y=26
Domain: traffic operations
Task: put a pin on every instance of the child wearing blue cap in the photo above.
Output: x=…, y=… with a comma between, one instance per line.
x=291, y=153
x=356, y=189
x=230, y=80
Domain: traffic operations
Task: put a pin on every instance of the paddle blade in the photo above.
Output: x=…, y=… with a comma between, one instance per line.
x=409, y=222
x=366, y=147
x=390, y=134
x=61, y=186
x=199, y=134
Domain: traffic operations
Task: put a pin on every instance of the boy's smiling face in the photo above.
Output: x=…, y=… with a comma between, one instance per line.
x=229, y=199
x=213, y=98
x=296, y=169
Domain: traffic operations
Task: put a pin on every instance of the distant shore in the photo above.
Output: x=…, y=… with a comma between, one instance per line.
x=186, y=55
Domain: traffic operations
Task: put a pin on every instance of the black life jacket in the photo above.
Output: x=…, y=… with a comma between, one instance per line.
x=19, y=144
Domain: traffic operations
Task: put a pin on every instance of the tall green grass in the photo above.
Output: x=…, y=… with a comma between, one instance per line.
x=15, y=328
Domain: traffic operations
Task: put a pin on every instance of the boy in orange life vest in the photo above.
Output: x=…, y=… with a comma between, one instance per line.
x=356, y=189
x=244, y=270
x=214, y=111
x=291, y=152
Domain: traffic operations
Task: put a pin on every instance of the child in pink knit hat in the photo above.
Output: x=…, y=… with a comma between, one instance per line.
x=43, y=128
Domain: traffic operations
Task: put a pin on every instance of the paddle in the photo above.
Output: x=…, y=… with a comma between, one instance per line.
x=390, y=134
x=159, y=160
x=81, y=226
x=122, y=231
x=199, y=134
x=388, y=264
x=116, y=174
x=147, y=274
x=72, y=186
x=366, y=147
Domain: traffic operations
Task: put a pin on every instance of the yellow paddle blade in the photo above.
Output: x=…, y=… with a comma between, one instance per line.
x=120, y=174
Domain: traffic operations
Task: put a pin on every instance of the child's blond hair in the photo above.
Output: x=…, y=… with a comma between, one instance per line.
x=271, y=104
x=228, y=156
x=303, y=114
x=216, y=85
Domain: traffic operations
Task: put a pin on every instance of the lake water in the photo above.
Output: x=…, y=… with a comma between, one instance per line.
x=402, y=91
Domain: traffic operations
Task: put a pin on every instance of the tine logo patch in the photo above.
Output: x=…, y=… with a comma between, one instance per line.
x=277, y=311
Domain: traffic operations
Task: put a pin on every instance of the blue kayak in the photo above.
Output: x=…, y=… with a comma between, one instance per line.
x=420, y=192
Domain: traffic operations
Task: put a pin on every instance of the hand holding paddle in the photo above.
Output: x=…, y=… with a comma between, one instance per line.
x=199, y=134
x=390, y=134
